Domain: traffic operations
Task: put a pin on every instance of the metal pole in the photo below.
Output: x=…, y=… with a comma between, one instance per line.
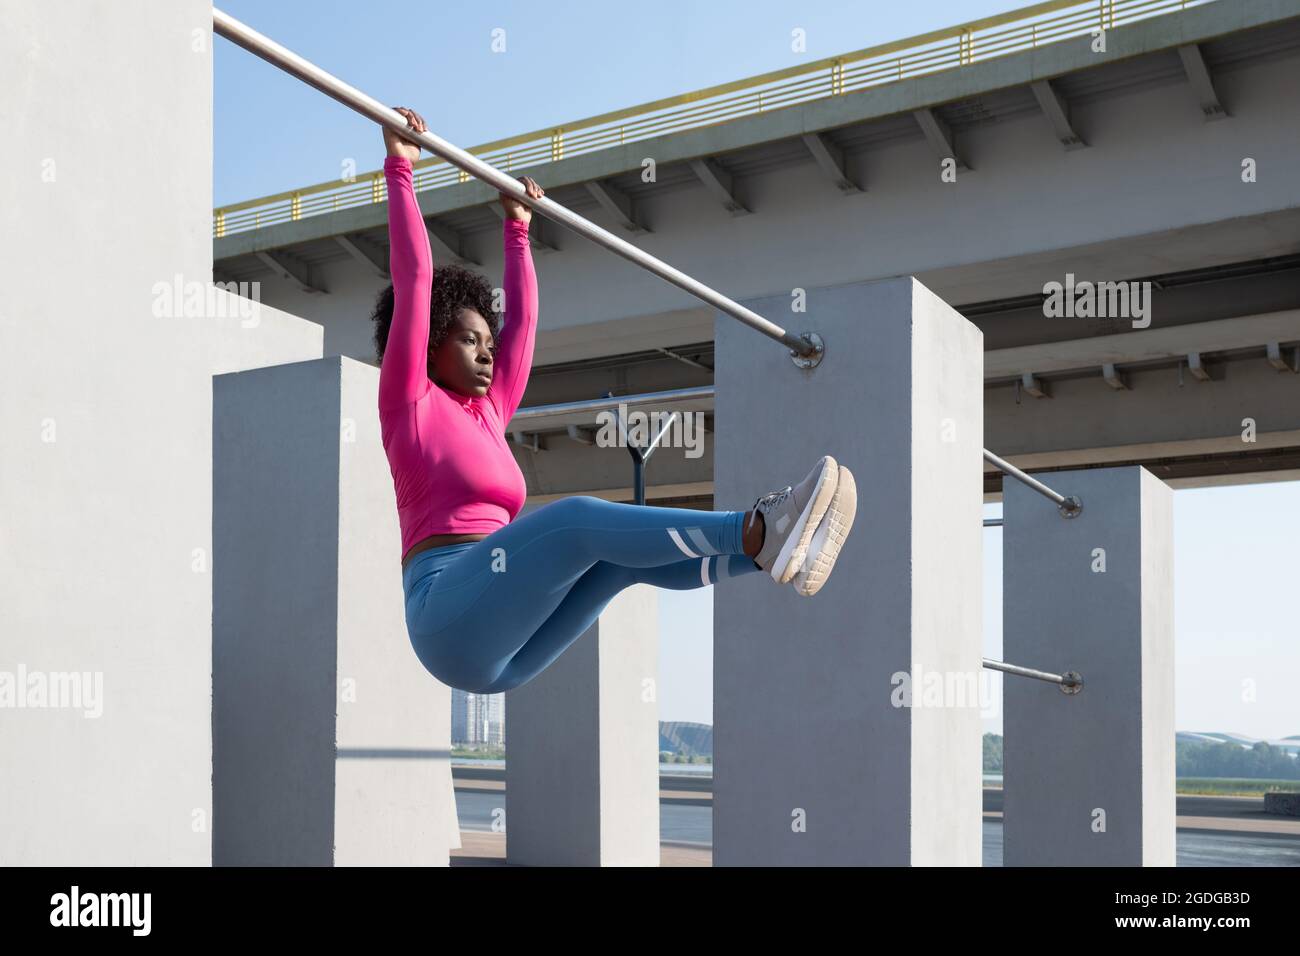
x=806, y=347
x=641, y=455
x=608, y=402
x=1069, y=507
x=1071, y=682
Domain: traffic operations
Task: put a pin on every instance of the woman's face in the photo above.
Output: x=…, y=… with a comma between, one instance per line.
x=464, y=360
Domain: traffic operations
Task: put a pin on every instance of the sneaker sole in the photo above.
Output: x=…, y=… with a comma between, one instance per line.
x=829, y=536
x=791, y=556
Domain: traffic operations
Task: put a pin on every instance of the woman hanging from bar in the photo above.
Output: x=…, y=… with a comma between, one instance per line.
x=491, y=601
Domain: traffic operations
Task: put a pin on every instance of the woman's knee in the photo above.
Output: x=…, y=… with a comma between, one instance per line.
x=577, y=507
x=574, y=516
x=583, y=506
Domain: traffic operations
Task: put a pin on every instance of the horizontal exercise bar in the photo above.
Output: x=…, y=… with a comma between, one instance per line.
x=267, y=49
x=1070, y=681
x=1069, y=507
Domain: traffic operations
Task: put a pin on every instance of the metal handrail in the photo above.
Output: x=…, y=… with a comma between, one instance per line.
x=1069, y=505
x=609, y=402
x=949, y=48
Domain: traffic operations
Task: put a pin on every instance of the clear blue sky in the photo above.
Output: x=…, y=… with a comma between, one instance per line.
x=1236, y=548
x=562, y=62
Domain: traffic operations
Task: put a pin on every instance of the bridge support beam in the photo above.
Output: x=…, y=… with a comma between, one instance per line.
x=330, y=742
x=1089, y=777
x=582, y=745
x=827, y=751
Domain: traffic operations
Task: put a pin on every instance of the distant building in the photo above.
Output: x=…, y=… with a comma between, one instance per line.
x=478, y=719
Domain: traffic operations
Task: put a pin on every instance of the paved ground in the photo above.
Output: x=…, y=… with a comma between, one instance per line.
x=489, y=849
x=1233, y=815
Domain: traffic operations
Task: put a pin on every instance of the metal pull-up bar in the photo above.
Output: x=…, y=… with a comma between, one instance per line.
x=1068, y=506
x=1071, y=682
x=806, y=349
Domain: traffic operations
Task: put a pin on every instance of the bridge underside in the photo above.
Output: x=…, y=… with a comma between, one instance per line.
x=1141, y=184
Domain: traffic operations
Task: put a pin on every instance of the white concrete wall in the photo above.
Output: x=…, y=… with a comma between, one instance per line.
x=582, y=746
x=819, y=759
x=1090, y=777
x=330, y=741
x=106, y=412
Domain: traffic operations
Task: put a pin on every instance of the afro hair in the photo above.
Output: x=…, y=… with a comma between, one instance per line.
x=454, y=288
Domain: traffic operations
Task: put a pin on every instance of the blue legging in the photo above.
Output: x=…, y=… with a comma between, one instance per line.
x=487, y=616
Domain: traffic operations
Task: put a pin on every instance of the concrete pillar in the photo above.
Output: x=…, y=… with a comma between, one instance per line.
x=814, y=761
x=108, y=344
x=582, y=746
x=1089, y=777
x=330, y=742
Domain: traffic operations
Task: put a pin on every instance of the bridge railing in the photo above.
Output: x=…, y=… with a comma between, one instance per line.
x=948, y=49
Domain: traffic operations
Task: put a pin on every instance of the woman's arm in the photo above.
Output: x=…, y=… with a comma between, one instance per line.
x=404, y=371
x=514, y=356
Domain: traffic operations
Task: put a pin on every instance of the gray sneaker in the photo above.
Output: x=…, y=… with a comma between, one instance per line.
x=791, y=516
x=829, y=537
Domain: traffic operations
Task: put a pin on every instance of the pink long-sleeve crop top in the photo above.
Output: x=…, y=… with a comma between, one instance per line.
x=453, y=472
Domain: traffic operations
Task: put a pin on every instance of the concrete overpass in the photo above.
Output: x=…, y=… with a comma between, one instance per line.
x=1167, y=157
